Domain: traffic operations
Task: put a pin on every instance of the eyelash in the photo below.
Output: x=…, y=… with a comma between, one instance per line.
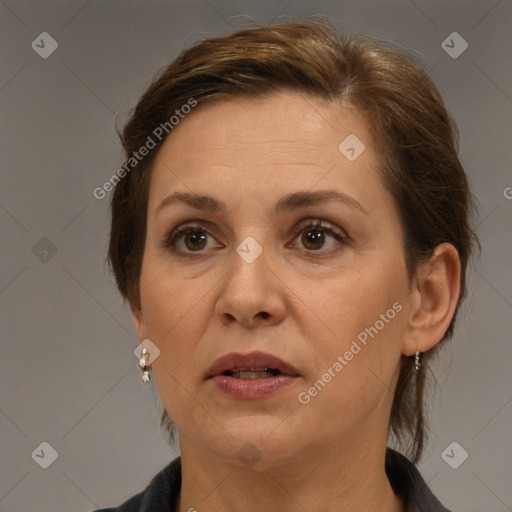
x=170, y=240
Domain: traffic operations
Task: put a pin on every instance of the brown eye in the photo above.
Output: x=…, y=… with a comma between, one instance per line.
x=187, y=239
x=315, y=236
x=194, y=240
x=313, y=239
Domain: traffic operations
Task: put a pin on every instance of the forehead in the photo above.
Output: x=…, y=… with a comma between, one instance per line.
x=284, y=141
x=301, y=122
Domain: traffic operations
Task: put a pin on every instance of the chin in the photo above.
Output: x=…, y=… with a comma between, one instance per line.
x=255, y=441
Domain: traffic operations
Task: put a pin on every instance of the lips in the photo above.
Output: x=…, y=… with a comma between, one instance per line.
x=235, y=361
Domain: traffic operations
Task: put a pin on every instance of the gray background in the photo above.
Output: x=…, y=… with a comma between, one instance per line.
x=68, y=374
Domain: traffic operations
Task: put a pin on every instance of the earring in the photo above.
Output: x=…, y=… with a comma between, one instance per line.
x=145, y=377
x=417, y=362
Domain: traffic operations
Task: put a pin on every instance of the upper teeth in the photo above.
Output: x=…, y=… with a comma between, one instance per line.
x=252, y=374
x=234, y=370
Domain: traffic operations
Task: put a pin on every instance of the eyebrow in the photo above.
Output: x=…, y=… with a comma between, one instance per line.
x=290, y=202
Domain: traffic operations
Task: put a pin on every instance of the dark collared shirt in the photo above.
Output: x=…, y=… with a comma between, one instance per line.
x=162, y=492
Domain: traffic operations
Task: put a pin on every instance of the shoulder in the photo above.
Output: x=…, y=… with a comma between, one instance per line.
x=408, y=483
x=159, y=496
x=130, y=505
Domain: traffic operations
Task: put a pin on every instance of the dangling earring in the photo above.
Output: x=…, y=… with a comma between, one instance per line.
x=144, y=356
x=417, y=362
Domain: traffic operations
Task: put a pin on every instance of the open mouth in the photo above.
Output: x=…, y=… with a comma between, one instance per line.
x=258, y=373
x=253, y=376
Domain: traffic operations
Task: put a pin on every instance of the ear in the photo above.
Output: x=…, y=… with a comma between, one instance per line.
x=434, y=296
x=139, y=323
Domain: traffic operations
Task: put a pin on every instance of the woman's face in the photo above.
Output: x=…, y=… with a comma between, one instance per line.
x=332, y=301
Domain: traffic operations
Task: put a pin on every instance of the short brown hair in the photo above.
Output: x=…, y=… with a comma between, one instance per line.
x=415, y=137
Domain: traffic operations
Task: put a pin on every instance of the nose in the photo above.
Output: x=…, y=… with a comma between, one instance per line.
x=251, y=293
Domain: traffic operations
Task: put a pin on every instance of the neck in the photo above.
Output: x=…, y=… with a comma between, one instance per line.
x=350, y=478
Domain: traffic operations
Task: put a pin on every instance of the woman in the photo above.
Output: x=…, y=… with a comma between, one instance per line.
x=291, y=231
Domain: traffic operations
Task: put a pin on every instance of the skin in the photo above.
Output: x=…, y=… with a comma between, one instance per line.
x=300, y=300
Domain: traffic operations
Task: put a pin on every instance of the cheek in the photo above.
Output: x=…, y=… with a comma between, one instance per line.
x=363, y=314
x=356, y=298
x=355, y=375
x=175, y=312
x=167, y=299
